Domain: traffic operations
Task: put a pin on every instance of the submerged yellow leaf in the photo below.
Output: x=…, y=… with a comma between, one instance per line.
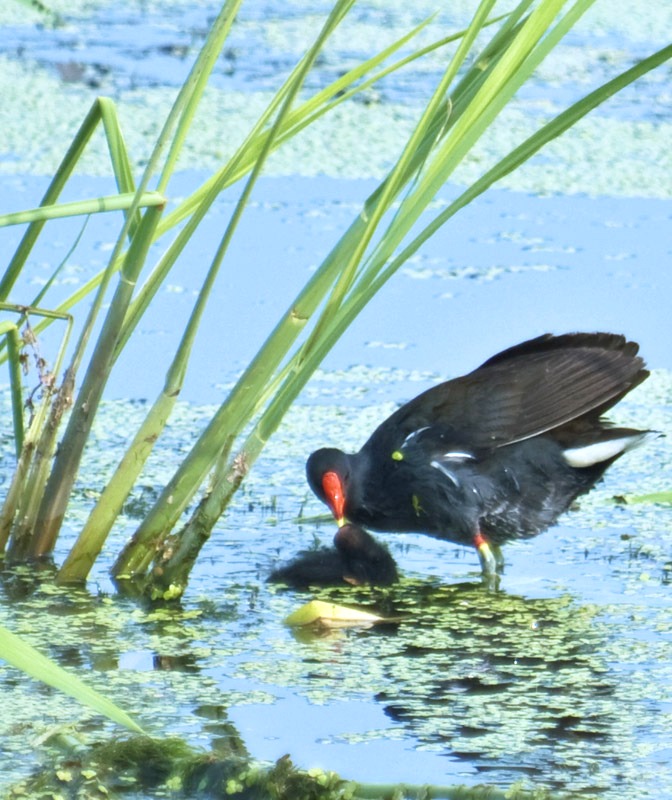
x=330, y=615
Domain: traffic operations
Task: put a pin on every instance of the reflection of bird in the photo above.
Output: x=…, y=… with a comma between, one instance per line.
x=357, y=558
x=495, y=455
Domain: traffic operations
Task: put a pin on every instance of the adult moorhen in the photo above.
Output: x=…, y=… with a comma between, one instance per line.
x=495, y=455
x=356, y=558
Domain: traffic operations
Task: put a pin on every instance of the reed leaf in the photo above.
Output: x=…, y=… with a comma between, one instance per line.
x=182, y=114
x=195, y=206
x=137, y=555
x=95, y=531
x=99, y=205
x=518, y=156
x=20, y=654
x=56, y=185
x=10, y=332
x=39, y=441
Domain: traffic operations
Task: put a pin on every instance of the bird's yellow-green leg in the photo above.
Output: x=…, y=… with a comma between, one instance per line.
x=492, y=561
x=499, y=556
x=487, y=557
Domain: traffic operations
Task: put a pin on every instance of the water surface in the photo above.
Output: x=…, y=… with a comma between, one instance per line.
x=563, y=678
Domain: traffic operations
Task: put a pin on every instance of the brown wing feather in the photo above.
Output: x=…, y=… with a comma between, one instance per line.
x=529, y=389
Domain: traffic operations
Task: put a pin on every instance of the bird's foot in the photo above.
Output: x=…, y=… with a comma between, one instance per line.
x=491, y=581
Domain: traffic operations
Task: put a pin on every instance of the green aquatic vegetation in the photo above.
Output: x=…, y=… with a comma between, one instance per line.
x=653, y=497
x=41, y=519
x=43, y=9
x=143, y=765
x=559, y=692
x=489, y=61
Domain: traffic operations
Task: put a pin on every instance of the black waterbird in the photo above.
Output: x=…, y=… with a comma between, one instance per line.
x=495, y=455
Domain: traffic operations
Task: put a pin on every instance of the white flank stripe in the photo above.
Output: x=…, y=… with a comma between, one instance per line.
x=412, y=435
x=441, y=467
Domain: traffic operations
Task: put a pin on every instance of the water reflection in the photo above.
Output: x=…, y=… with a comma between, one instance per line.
x=506, y=684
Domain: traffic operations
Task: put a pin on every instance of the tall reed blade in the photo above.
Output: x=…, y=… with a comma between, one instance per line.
x=39, y=442
x=137, y=555
x=57, y=493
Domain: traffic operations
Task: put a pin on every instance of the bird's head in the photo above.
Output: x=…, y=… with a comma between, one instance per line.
x=328, y=472
x=365, y=560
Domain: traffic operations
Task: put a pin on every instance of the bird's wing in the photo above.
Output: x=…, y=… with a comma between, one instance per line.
x=526, y=390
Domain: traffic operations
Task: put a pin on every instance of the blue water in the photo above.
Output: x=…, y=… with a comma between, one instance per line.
x=507, y=268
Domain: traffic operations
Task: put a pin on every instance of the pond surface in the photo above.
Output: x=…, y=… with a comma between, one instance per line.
x=562, y=678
